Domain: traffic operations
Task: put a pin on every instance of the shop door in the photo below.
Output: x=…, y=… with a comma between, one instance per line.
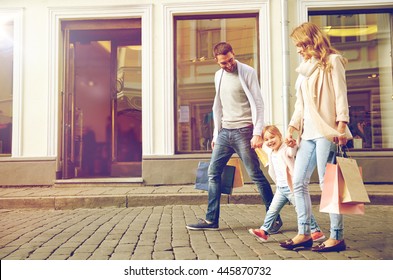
x=102, y=112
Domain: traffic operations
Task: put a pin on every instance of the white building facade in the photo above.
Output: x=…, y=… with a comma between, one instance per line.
x=121, y=92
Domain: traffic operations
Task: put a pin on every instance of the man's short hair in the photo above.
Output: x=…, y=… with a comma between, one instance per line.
x=222, y=48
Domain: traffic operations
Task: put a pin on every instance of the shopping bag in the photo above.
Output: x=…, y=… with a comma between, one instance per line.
x=353, y=190
x=238, y=179
x=227, y=179
x=330, y=197
x=202, y=178
x=262, y=155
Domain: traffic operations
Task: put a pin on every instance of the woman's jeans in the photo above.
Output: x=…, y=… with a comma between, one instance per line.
x=282, y=196
x=312, y=153
x=230, y=141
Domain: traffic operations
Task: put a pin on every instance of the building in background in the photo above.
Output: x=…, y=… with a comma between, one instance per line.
x=122, y=93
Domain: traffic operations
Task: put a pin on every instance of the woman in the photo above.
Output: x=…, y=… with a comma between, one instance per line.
x=320, y=118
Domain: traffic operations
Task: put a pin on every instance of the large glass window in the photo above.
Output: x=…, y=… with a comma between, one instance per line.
x=195, y=38
x=365, y=39
x=6, y=79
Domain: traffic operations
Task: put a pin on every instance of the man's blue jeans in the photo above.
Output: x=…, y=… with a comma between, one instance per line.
x=230, y=141
x=311, y=154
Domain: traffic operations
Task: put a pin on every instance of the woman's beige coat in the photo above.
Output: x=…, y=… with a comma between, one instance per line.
x=326, y=92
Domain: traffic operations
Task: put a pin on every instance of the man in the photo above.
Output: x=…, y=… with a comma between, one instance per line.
x=238, y=116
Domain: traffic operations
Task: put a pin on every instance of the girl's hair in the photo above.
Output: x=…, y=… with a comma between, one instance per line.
x=314, y=42
x=272, y=129
x=222, y=48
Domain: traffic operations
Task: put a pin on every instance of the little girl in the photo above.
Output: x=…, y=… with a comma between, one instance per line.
x=281, y=164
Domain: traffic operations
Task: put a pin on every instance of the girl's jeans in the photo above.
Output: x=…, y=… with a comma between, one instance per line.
x=230, y=141
x=312, y=153
x=282, y=196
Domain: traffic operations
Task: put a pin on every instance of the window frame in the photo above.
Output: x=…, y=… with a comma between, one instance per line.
x=305, y=7
x=203, y=105
x=261, y=7
x=16, y=14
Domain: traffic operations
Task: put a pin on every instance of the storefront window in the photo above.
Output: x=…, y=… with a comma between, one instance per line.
x=365, y=39
x=6, y=79
x=195, y=38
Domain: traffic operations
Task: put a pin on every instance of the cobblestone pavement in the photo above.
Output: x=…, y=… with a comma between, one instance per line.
x=159, y=233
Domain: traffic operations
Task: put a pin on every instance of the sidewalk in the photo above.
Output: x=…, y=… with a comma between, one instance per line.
x=100, y=195
x=149, y=223
x=159, y=233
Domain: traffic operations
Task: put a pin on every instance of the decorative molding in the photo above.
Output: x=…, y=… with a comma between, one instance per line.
x=56, y=15
x=194, y=8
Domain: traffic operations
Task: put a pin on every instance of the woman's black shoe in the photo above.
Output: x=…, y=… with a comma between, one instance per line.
x=288, y=244
x=341, y=246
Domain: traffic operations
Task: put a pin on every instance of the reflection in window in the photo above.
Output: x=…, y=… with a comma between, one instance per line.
x=6, y=70
x=365, y=39
x=195, y=67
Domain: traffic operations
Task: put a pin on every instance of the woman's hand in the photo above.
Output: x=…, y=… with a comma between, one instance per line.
x=342, y=138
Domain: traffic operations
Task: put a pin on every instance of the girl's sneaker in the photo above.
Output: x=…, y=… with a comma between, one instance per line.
x=317, y=235
x=259, y=234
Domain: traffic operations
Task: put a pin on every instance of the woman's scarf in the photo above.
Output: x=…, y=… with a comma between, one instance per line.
x=307, y=67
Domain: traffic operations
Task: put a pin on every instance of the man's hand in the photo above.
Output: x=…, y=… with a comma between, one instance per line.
x=256, y=141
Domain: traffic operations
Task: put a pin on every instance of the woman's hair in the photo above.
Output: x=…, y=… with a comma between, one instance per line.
x=222, y=48
x=272, y=129
x=314, y=42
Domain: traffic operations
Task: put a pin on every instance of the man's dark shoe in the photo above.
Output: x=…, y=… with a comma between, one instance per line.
x=202, y=225
x=276, y=226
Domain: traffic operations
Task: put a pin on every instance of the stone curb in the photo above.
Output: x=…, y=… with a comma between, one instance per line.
x=141, y=200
